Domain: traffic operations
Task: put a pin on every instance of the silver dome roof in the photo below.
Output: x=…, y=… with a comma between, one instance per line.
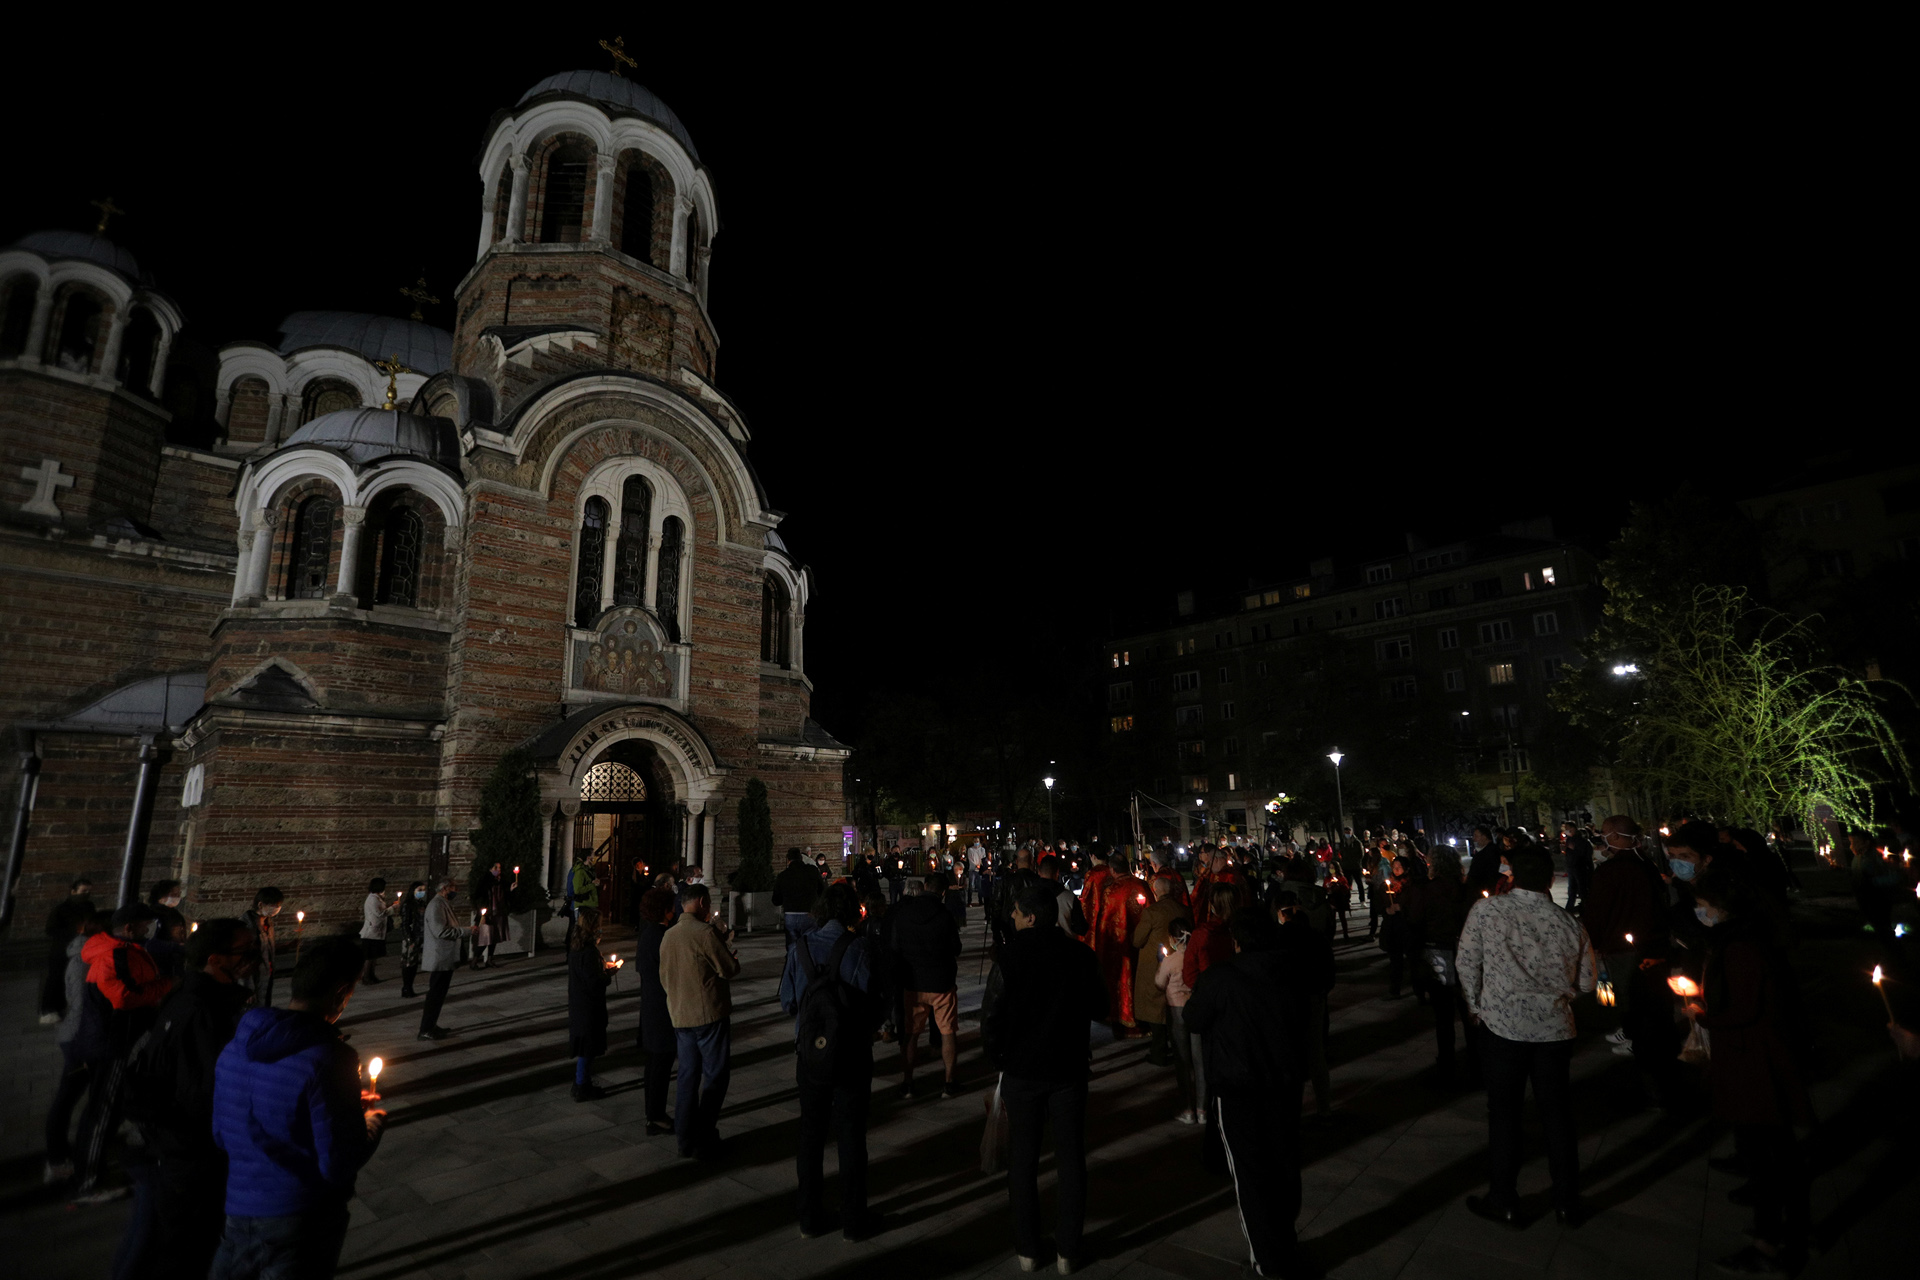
x=616, y=91
x=420, y=346
x=368, y=435
x=83, y=244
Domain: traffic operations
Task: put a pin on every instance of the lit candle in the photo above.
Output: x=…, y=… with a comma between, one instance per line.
x=1879, y=977
x=1683, y=985
x=194, y=927
x=373, y=1076
x=300, y=917
x=1629, y=939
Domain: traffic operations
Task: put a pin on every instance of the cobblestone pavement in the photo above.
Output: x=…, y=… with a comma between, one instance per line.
x=489, y=1169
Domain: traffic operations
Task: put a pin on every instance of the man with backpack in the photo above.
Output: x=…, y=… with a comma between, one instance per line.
x=827, y=987
x=181, y=1188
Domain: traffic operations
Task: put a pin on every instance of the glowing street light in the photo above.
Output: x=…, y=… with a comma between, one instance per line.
x=1049, y=781
x=1626, y=668
x=1339, y=801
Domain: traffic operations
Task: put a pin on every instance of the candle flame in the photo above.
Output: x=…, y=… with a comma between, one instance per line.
x=1683, y=985
x=1629, y=939
x=1877, y=975
x=300, y=917
x=373, y=1069
x=194, y=927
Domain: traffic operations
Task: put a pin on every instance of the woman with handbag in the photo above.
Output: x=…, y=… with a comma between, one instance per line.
x=1750, y=1010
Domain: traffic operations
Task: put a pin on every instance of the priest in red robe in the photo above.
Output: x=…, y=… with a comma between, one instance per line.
x=1090, y=894
x=1123, y=896
x=1163, y=870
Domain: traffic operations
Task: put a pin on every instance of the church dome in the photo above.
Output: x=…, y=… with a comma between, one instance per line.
x=617, y=92
x=368, y=435
x=83, y=244
x=421, y=347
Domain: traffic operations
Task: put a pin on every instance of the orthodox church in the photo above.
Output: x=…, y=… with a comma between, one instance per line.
x=294, y=655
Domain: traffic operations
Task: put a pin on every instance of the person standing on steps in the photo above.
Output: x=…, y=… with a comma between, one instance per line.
x=589, y=974
x=697, y=968
x=267, y=902
x=656, y=1037
x=926, y=946
x=373, y=926
x=491, y=908
x=63, y=926
x=440, y=954
x=413, y=921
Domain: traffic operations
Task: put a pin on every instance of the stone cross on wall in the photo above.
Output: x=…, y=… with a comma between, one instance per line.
x=47, y=481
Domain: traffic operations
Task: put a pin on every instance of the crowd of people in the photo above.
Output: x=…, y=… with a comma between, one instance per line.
x=255, y=1119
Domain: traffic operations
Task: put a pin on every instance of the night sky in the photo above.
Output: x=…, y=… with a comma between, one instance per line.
x=1035, y=329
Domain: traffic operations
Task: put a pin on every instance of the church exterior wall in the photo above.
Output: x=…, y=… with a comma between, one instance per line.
x=108, y=441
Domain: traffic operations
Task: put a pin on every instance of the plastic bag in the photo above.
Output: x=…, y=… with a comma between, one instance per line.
x=993, y=1143
x=1699, y=1048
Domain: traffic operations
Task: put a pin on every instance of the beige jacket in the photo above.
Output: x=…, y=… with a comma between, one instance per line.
x=695, y=968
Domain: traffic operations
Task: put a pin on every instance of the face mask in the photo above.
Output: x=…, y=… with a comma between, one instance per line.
x=1506, y=869
x=1682, y=869
x=171, y=900
x=1706, y=915
x=421, y=894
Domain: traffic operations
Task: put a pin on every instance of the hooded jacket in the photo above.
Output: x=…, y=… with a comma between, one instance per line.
x=123, y=987
x=1250, y=1013
x=287, y=1111
x=170, y=1083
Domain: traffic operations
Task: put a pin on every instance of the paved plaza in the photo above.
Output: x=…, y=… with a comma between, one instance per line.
x=489, y=1169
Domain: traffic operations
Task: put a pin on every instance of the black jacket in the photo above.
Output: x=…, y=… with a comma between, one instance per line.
x=170, y=1085
x=587, y=981
x=925, y=944
x=1250, y=1013
x=796, y=888
x=656, y=1025
x=1052, y=992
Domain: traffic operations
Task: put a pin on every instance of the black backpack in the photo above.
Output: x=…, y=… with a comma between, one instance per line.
x=826, y=1027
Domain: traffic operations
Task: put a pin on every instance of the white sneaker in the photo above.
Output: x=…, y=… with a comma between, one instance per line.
x=1624, y=1050
x=1186, y=1117
x=49, y=1019
x=1617, y=1037
x=56, y=1173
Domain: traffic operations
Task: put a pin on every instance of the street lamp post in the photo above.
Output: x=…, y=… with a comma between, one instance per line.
x=1049, y=781
x=1339, y=802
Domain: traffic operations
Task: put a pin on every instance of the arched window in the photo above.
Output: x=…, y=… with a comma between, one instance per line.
x=776, y=622
x=400, y=547
x=139, y=346
x=666, y=589
x=636, y=227
x=327, y=395
x=593, y=557
x=312, y=549
x=630, y=560
x=79, y=333
x=693, y=246
x=564, y=208
x=611, y=781
x=16, y=315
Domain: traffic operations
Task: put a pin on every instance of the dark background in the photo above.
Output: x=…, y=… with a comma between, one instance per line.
x=1035, y=328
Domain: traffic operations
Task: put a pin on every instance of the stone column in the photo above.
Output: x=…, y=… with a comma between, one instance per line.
x=677, y=256
x=243, y=571
x=517, y=203
x=262, y=557
x=110, y=359
x=546, y=851
x=689, y=836
x=277, y=407
x=603, y=199
x=489, y=198
x=709, y=856
x=353, y=521
x=158, y=382
x=610, y=557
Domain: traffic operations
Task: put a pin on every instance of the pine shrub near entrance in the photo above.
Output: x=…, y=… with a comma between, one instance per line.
x=509, y=830
x=756, y=841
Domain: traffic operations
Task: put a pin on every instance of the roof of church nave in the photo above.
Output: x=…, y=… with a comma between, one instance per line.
x=421, y=347
x=368, y=435
x=616, y=92
x=85, y=245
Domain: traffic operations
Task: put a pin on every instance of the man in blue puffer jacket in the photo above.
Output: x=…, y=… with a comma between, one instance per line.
x=289, y=1113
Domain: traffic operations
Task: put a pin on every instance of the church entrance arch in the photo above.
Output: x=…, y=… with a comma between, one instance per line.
x=629, y=825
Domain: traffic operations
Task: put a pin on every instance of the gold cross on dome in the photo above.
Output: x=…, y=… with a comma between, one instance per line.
x=418, y=292
x=619, y=51
x=392, y=367
x=107, y=209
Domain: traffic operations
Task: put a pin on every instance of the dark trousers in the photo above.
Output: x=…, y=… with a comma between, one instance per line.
x=302, y=1246
x=705, y=1068
x=659, y=1074
x=1508, y=1065
x=1182, y=1057
x=100, y=1121
x=74, y=1080
x=179, y=1209
x=437, y=984
x=1159, y=1044
x=406, y=978
x=1030, y=1105
x=53, y=991
x=1779, y=1181
x=839, y=1107
x=1449, y=1004
x=1262, y=1142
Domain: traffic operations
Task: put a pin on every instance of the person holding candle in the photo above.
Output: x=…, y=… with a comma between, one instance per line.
x=289, y=1113
x=1150, y=937
x=1749, y=1006
x=1123, y=899
x=588, y=976
x=490, y=891
x=1175, y=990
x=267, y=902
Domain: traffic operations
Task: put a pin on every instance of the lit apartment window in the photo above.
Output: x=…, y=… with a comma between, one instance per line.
x=1120, y=692
x=1251, y=602
x=1302, y=590
x=1194, y=784
x=1183, y=647
x=1186, y=681
x=1226, y=711
x=1449, y=637
x=1392, y=607
x=1116, y=660
x=1121, y=724
x=1393, y=649
x=1546, y=624
x=1546, y=576
x=1494, y=632
x=1270, y=597
x=1526, y=581
x=1380, y=573
x=1126, y=659
x=1454, y=681
x=1233, y=782
x=1500, y=673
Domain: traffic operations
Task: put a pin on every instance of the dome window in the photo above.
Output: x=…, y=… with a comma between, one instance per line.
x=16, y=315
x=636, y=227
x=399, y=580
x=666, y=589
x=139, y=346
x=329, y=395
x=630, y=566
x=79, y=333
x=776, y=622
x=312, y=549
x=693, y=246
x=564, y=210
x=593, y=555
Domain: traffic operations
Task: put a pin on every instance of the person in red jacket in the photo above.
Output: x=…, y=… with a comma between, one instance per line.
x=1091, y=894
x=1122, y=898
x=124, y=988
